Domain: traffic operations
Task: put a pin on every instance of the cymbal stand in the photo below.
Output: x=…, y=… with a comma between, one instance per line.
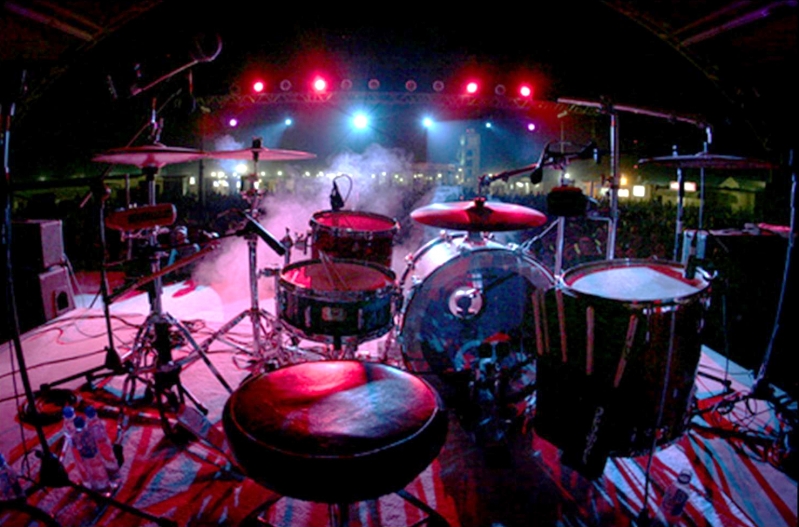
x=52, y=473
x=265, y=331
x=150, y=360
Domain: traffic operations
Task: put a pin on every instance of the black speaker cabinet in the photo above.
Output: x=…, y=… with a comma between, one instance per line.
x=37, y=244
x=746, y=293
x=41, y=297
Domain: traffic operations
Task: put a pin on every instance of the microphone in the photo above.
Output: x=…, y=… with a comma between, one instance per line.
x=257, y=228
x=336, y=201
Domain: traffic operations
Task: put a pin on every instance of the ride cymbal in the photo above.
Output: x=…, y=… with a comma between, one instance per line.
x=477, y=215
x=261, y=154
x=155, y=155
x=706, y=160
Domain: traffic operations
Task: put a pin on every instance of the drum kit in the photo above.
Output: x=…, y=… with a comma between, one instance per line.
x=601, y=358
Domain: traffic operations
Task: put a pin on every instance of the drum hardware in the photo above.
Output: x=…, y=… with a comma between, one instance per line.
x=150, y=359
x=52, y=473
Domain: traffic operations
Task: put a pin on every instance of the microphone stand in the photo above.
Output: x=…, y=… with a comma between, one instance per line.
x=52, y=473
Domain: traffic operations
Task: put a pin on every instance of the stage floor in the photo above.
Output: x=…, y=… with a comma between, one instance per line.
x=731, y=449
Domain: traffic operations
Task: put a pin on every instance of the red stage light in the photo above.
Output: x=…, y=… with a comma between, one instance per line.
x=319, y=84
x=258, y=86
x=471, y=87
x=525, y=90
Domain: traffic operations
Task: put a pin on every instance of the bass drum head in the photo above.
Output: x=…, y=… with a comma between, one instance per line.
x=471, y=301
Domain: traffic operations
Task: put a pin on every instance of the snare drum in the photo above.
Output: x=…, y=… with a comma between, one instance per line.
x=330, y=300
x=621, y=335
x=469, y=299
x=353, y=235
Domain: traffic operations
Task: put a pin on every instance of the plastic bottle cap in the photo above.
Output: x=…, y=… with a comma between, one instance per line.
x=69, y=412
x=90, y=412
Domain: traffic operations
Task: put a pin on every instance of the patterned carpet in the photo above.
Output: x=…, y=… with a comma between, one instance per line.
x=735, y=450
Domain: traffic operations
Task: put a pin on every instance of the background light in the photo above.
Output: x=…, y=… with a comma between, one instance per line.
x=531, y=127
x=427, y=122
x=319, y=84
x=360, y=121
x=233, y=122
x=471, y=87
x=258, y=86
x=525, y=91
x=288, y=121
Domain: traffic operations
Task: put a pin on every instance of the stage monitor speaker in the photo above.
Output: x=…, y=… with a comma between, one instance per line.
x=746, y=292
x=37, y=244
x=41, y=297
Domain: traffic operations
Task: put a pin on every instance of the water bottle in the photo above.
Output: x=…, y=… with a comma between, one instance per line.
x=675, y=497
x=10, y=489
x=69, y=416
x=97, y=476
x=104, y=445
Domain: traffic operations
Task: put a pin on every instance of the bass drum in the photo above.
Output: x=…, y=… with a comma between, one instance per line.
x=468, y=300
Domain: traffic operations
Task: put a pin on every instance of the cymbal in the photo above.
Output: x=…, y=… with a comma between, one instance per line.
x=477, y=215
x=706, y=160
x=264, y=154
x=155, y=155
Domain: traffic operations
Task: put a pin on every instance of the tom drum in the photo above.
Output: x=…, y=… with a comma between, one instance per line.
x=353, y=235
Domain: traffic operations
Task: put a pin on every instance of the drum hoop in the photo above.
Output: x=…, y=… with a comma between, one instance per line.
x=586, y=269
x=317, y=294
x=390, y=231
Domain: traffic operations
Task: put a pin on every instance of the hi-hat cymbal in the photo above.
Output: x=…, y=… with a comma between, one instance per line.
x=263, y=154
x=155, y=155
x=706, y=160
x=477, y=216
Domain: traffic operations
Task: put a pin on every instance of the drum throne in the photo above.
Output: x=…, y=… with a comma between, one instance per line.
x=336, y=432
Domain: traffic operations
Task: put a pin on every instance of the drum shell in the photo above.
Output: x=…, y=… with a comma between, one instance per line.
x=360, y=313
x=354, y=235
x=509, y=281
x=601, y=378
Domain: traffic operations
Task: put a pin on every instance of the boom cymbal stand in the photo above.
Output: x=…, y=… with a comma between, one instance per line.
x=52, y=473
x=150, y=359
x=266, y=350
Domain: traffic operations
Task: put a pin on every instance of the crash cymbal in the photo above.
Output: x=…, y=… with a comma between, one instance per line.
x=155, y=155
x=263, y=154
x=477, y=215
x=706, y=160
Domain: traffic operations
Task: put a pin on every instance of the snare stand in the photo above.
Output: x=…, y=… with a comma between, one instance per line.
x=263, y=336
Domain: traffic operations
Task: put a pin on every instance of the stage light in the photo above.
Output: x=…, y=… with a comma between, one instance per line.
x=531, y=127
x=233, y=122
x=373, y=84
x=319, y=84
x=288, y=121
x=360, y=121
x=285, y=85
x=438, y=86
x=258, y=86
x=488, y=124
x=499, y=89
x=346, y=85
x=427, y=122
x=410, y=85
x=525, y=91
x=471, y=87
